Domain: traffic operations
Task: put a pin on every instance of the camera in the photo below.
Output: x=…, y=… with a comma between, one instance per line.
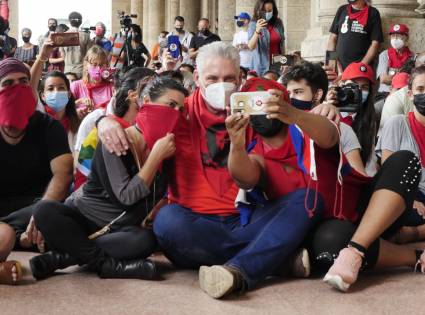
x=88, y=29
x=125, y=19
x=108, y=74
x=349, y=97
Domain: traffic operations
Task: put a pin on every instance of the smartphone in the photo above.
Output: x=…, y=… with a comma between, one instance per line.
x=248, y=102
x=66, y=39
x=283, y=60
x=332, y=60
x=174, y=46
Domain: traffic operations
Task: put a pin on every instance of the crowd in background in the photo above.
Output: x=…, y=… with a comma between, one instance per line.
x=111, y=151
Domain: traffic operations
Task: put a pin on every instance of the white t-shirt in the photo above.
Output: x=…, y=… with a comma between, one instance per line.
x=239, y=38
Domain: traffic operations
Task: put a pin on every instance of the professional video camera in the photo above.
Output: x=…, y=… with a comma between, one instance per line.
x=349, y=97
x=125, y=20
x=88, y=29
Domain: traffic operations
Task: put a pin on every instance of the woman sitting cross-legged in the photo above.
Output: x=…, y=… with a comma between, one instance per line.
x=101, y=227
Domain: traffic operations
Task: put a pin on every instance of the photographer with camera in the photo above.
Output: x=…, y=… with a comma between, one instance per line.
x=100, y=39
x=354, y=98
x=122, y=46
x=266, y=35
x=307, y=85
x=74, y=55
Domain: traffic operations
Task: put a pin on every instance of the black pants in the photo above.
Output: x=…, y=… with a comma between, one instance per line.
x=400, y=173
x=65, y=229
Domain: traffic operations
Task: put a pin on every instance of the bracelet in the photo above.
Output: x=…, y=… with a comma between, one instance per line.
x=43, y=60
x=99, y=119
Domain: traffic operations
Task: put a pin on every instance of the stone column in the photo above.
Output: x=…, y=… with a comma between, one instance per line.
x=137, y=8
x=226, y=19
x=295, y=15
x=145, y=19
x=191, y=11
x=156, y=21
x=245, y=6
x=172, y=10
x=14, y=20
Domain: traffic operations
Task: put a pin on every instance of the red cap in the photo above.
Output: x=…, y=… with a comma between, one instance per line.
x=261, y=84
x=400, y=80
x=357, y=70
x=399, y=29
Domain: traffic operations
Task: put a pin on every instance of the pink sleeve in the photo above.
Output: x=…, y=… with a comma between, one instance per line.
x=77, y=89
x=4, y=9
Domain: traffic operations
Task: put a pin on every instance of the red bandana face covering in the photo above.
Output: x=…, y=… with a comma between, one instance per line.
x=155, y=121
x=17, y=105
x=361, y=16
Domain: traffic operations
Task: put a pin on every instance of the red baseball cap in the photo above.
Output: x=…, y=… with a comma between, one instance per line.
x=400, y=80
x=357, y=70
x=399, y=29
x=261, y=84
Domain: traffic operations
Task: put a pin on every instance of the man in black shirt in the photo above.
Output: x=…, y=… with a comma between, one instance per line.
x=203, y=37
x=35, y=160
x=356, y=33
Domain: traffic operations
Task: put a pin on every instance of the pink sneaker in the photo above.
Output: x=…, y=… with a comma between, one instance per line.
x=345, y=269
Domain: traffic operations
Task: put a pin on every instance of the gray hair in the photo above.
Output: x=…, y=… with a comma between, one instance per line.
x=217, y=49
x=26, y=29
x=188, y=80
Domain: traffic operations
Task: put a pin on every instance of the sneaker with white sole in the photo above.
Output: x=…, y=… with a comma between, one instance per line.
x=345, y=269
x=299, y=264
x=218, y=281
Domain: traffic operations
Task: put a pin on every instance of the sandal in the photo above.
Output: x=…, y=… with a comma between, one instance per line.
x=6, y=272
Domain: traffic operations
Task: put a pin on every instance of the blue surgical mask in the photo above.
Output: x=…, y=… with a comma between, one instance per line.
x=365, y=95
x=57, y=100
x=303, y=105
x=268, y=16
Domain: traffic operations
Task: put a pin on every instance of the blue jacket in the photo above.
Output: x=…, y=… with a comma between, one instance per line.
x=260, y=55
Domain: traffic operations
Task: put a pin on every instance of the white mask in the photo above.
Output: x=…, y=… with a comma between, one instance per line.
x=397, y=43
x=217, y=95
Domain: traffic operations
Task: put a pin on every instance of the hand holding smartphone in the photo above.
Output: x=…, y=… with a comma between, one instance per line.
x=174, y=46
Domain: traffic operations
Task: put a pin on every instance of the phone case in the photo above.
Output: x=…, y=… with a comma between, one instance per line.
x=174, y=46
x=248, y=102
x=284, y=60
x=66, y=39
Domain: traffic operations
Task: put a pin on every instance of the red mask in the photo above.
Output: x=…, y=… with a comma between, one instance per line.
x=155, y=121
x=17, y=105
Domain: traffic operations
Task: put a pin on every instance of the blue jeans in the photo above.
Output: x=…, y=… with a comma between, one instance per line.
x=258, y=249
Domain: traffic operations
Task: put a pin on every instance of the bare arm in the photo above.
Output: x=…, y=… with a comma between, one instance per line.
x=386, y=78
x=252, y=43
x=148, y=60
x=385, y=155
x=371, y=53
x=193, y=53
x=37, y=67
x=243, y=168
x=62, y=169
x=355, y=161
x=332, y=42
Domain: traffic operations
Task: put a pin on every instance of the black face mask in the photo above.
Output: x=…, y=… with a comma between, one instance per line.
x=265, y=127
x=352, y=1
x=240, y=23
x=179, y=29
x=205, y=32
x=419, y=101
x=26, y=39
x=303, y=105
x=52, y=28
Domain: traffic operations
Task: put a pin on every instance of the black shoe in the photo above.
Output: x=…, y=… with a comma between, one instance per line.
x=43, y=266
x=127, y=269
